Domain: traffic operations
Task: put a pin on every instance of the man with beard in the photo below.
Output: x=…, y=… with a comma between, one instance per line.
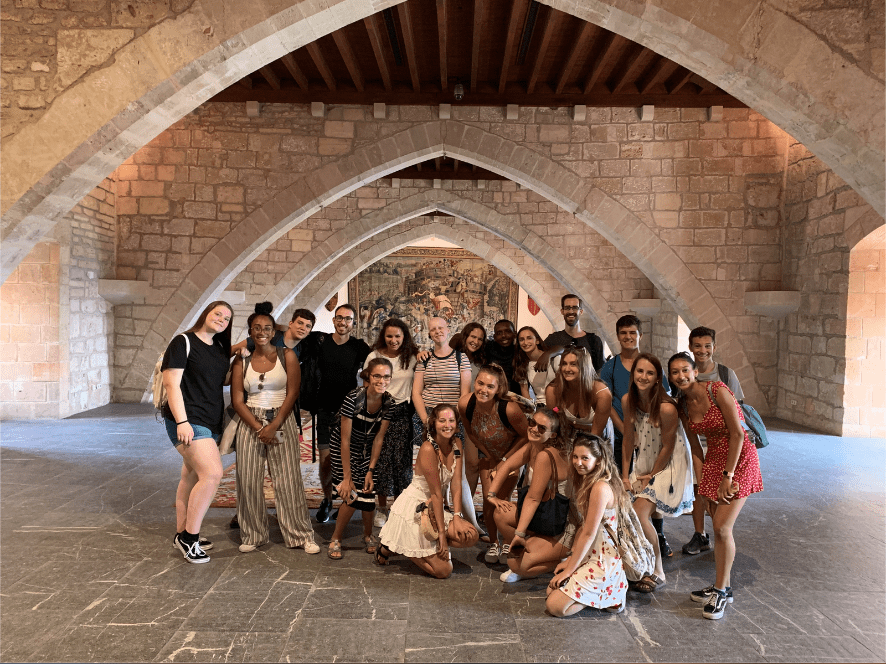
x=340, y=357
x=571, y=308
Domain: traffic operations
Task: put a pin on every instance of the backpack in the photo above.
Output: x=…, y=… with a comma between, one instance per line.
x=637, y=554
x=502, y=411
x=457, y=359
x=752, y=423
x=157, y=389
x=308, y=395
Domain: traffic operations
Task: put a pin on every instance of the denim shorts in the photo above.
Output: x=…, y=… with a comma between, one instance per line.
x=199, y=432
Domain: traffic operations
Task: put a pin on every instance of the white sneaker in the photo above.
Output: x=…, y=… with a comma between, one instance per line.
x=492, y=553
x=509, y=577
x=380, y=519
x=312, y=547
x=246, y=548
x=503, y=554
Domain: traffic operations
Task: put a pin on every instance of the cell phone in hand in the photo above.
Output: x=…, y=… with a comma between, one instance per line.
x=279, y=436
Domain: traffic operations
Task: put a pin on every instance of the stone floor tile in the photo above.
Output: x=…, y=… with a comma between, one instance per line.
x=464, y=646
x=272, y=609
x=190, y=646
x=337, y=640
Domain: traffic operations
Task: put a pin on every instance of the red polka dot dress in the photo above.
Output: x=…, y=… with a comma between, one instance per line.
x=713, y=428
x=600, y=580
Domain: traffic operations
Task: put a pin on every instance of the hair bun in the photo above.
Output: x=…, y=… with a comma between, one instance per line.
x=264, y=308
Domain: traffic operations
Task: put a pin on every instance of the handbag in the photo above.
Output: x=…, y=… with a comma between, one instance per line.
x=752, y=422
x=229, y=436
x=428, y=527
x=365, y=501
x=636, y=553
x=551, y=514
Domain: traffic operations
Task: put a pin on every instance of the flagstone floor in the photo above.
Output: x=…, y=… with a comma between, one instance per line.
x=88, y=573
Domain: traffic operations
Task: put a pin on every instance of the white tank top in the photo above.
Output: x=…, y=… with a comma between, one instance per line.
x=273, y=392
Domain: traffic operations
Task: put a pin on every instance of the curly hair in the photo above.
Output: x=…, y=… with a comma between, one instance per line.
x=431, y=426
x=261, y=309
x=408, y=349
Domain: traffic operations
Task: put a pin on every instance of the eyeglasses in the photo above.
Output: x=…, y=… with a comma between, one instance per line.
x=380, y=377
x=261, y=378
x=533, y=424
x=258, y=329
x=571, y=308
x=343, y=319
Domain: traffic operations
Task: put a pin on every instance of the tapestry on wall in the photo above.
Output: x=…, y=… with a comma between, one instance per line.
x=417, y=283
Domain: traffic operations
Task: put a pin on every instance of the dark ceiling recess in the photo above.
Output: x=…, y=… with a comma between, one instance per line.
x=501, y=51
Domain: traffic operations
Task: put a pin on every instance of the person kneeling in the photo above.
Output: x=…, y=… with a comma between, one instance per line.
x=593, y=574
x=439, y=459
x=531, y=553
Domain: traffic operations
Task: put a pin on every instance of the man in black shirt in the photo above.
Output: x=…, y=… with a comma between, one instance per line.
x=571, y=308
x=340, y=358
x=500, y=350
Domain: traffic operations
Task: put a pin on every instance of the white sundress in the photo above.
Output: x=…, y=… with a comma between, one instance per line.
x=670, y=490
x=600, y=580
x=402, y=531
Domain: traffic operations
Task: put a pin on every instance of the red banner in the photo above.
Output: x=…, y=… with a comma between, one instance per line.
x=533, y=307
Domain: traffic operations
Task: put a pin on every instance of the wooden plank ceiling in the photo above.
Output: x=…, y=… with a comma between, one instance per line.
x=500, y=51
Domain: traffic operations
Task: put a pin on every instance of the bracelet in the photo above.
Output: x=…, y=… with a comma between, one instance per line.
x=371, y=469
x=182, y=422
x=460, y=515
x=522, y=535
x=728, y=475
x=491, y=494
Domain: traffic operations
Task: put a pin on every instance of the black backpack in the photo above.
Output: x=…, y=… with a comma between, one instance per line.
x=308, y=395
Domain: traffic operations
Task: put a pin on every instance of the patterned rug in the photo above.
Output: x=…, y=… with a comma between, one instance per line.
x=226, y=496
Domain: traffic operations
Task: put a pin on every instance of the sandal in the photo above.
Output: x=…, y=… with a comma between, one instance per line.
x=618, y=608
x=646, y=585
x=382, y=553
x=334, y=550
x=371, y=544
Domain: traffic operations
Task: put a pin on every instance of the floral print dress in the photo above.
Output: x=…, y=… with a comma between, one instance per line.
x=600, y=580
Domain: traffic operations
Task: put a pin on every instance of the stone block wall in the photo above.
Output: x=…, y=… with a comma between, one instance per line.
x=92, y=227
x=711, y=190
x=820, y=208
x=33, y=373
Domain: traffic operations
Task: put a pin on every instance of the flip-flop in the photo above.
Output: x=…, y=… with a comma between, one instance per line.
x=334, y=550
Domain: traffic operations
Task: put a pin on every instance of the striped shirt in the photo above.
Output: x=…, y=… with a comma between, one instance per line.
x=442, y=378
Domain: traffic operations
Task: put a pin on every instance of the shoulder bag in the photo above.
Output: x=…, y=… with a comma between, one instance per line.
x=551, y=515
x=636, y=553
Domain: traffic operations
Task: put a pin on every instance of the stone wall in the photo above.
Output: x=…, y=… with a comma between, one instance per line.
x=710, y=190
x=821, y=210
x=33, y=372
x=92, y=227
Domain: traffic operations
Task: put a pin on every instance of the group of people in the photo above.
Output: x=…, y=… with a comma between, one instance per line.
x=548, y=415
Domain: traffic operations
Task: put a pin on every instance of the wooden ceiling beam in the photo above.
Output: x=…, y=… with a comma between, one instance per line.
x=269, y=75
x=455, y=165
x=655, y=75
x=437, y=161
x=341, y=41
x=442, y=39
x=375, y=40
x=632, y=69
x=572, y=58
x=706, y=86
x=607, y=54
x=409, y=43
x=517, y=10
x=317, y=56
x=479, y=11
x=547, y=34
x=295, y=71
x=677, y=80
x=246, y=82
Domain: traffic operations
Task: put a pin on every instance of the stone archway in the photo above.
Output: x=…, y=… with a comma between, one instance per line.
x=154, y=78
x=625, y=230
x=485, y=217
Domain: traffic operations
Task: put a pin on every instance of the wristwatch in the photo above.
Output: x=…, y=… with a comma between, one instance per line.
x=727, y=474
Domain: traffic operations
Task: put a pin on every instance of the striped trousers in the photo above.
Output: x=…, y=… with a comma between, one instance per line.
x=284, y=467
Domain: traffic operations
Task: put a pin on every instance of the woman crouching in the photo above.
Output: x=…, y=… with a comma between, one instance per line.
x=439, y=459
x=593, y=574
x=531, y=554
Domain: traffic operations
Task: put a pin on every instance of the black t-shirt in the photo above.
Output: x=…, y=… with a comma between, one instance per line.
x=590, y=341
x=277, y=341
x=206, y=368
x=339, y=365
x=503, y=357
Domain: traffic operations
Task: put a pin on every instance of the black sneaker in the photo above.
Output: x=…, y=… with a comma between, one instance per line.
x=716, y=605
x=664, y=547
x=205, y=544
x=192, y=553
x=703, y=595
x=697, y=544
x=324, y=510
x=235, y=523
